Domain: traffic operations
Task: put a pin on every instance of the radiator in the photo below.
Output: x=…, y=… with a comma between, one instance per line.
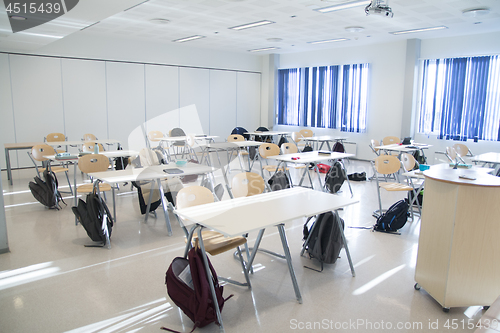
x=350, y=147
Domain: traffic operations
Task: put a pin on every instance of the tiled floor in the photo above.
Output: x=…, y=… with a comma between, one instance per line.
x=50, y=282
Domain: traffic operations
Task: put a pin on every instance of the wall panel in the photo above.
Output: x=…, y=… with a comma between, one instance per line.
x=194, y=85
x=126, y=99
x=222, y=103
x=37, y=99
x=84, y=87
x=162, y=98
x=248, y=100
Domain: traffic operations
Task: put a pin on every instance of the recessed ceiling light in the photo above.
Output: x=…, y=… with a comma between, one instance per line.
x=252, y=25
x=264, y=49
x=341, y=6
x=328, y=41
x=274, y=39
x=187, y=39
x=418, y=30
x=159, y=20
x=354, y=29
x=18, y=18
x=474, y=12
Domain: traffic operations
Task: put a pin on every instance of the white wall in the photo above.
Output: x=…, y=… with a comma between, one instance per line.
x=43, y=94
x=387, y=62
x=387, y=65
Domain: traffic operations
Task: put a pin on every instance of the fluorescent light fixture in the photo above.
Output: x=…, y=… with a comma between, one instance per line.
x=418, y=30
x=354, y=29
x=264, y=49
x=187, y=39
x=474, y=12
x=252, y=25
x=346, y=5
x=328, y=41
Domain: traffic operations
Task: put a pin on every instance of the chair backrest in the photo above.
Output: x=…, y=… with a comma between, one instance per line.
x=297, y=136
x=268, y=149
x=89, y=146
x=262, y=129
x=93, y=163
x=306, y=133
x=193, y=196
x=155, y=136
x=408, y=161
x=148, y=157
x=389, y=140
x=51, y=137
x=461, y=149
x=289, y=148
x=176, y=132
x=235, y=138
x=451, y=153
x=375, y=143
x=246, y=184
x=38, y=151
x=89, y=137
x=387, y=164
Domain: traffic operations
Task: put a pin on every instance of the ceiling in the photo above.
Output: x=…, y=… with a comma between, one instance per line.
x=297, y=23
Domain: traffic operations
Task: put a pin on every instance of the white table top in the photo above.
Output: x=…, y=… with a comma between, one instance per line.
x=324, y=138
x=108, y=154
x=487, y=158
x=233, y=145
x=266, y=133
x=151, y=172
x=80, y=142
x=404, y=148
x=311, y=157
x=184, y=138
x=238, y=216
x=443, y=166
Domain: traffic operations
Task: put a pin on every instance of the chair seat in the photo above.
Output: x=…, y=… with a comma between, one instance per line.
x=55, y=169
x=215, y=243
x=396, y=187
x=87, y=188
x=272, y=168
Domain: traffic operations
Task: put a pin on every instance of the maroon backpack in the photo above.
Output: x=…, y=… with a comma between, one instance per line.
x=188, y=287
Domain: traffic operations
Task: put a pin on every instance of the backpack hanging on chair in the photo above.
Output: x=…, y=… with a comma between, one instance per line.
x=188, y=287
x=45, y=191
x=335, y=177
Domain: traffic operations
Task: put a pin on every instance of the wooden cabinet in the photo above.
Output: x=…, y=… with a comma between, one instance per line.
x=459, y=248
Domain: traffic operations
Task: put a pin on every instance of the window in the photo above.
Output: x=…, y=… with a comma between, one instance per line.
x=460, y=98
x=329, y=96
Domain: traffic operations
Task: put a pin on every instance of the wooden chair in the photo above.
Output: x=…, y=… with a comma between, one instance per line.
x=215, y=243
x=89, y=137
x=462, y=150
x=246, y=184
x=242, y=151
x=93, y=163
x=155, y=136
x=37, y=154
x=452, y=155
x=375, y=143
x=55, y=137
x=388, y=165
x=267, y=150
x=89, y=147
x=306, y=133
x=389, y=140
x=409, y=163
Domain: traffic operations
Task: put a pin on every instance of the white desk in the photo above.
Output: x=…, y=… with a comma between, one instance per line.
x=239, y=216
x=151, y=173
x=312, y=157
x=492, y=159
x=229, y=148
x=404, y=148
x=323, y=139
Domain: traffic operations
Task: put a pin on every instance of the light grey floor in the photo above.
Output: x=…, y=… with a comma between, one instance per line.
x=50, y=282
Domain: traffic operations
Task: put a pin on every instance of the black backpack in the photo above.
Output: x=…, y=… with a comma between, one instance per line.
x=394, y=219
x=279, y=181
x=335, y=177
x=91, y=214
x=324, y=240
x=338, y=147
x=45, y=191
x=188, y=287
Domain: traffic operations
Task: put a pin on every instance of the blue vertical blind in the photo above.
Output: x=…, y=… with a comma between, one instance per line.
x=327, y=96
x=460, y=98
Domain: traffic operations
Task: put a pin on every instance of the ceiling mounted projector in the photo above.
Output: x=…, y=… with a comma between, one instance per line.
x=376, y=7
